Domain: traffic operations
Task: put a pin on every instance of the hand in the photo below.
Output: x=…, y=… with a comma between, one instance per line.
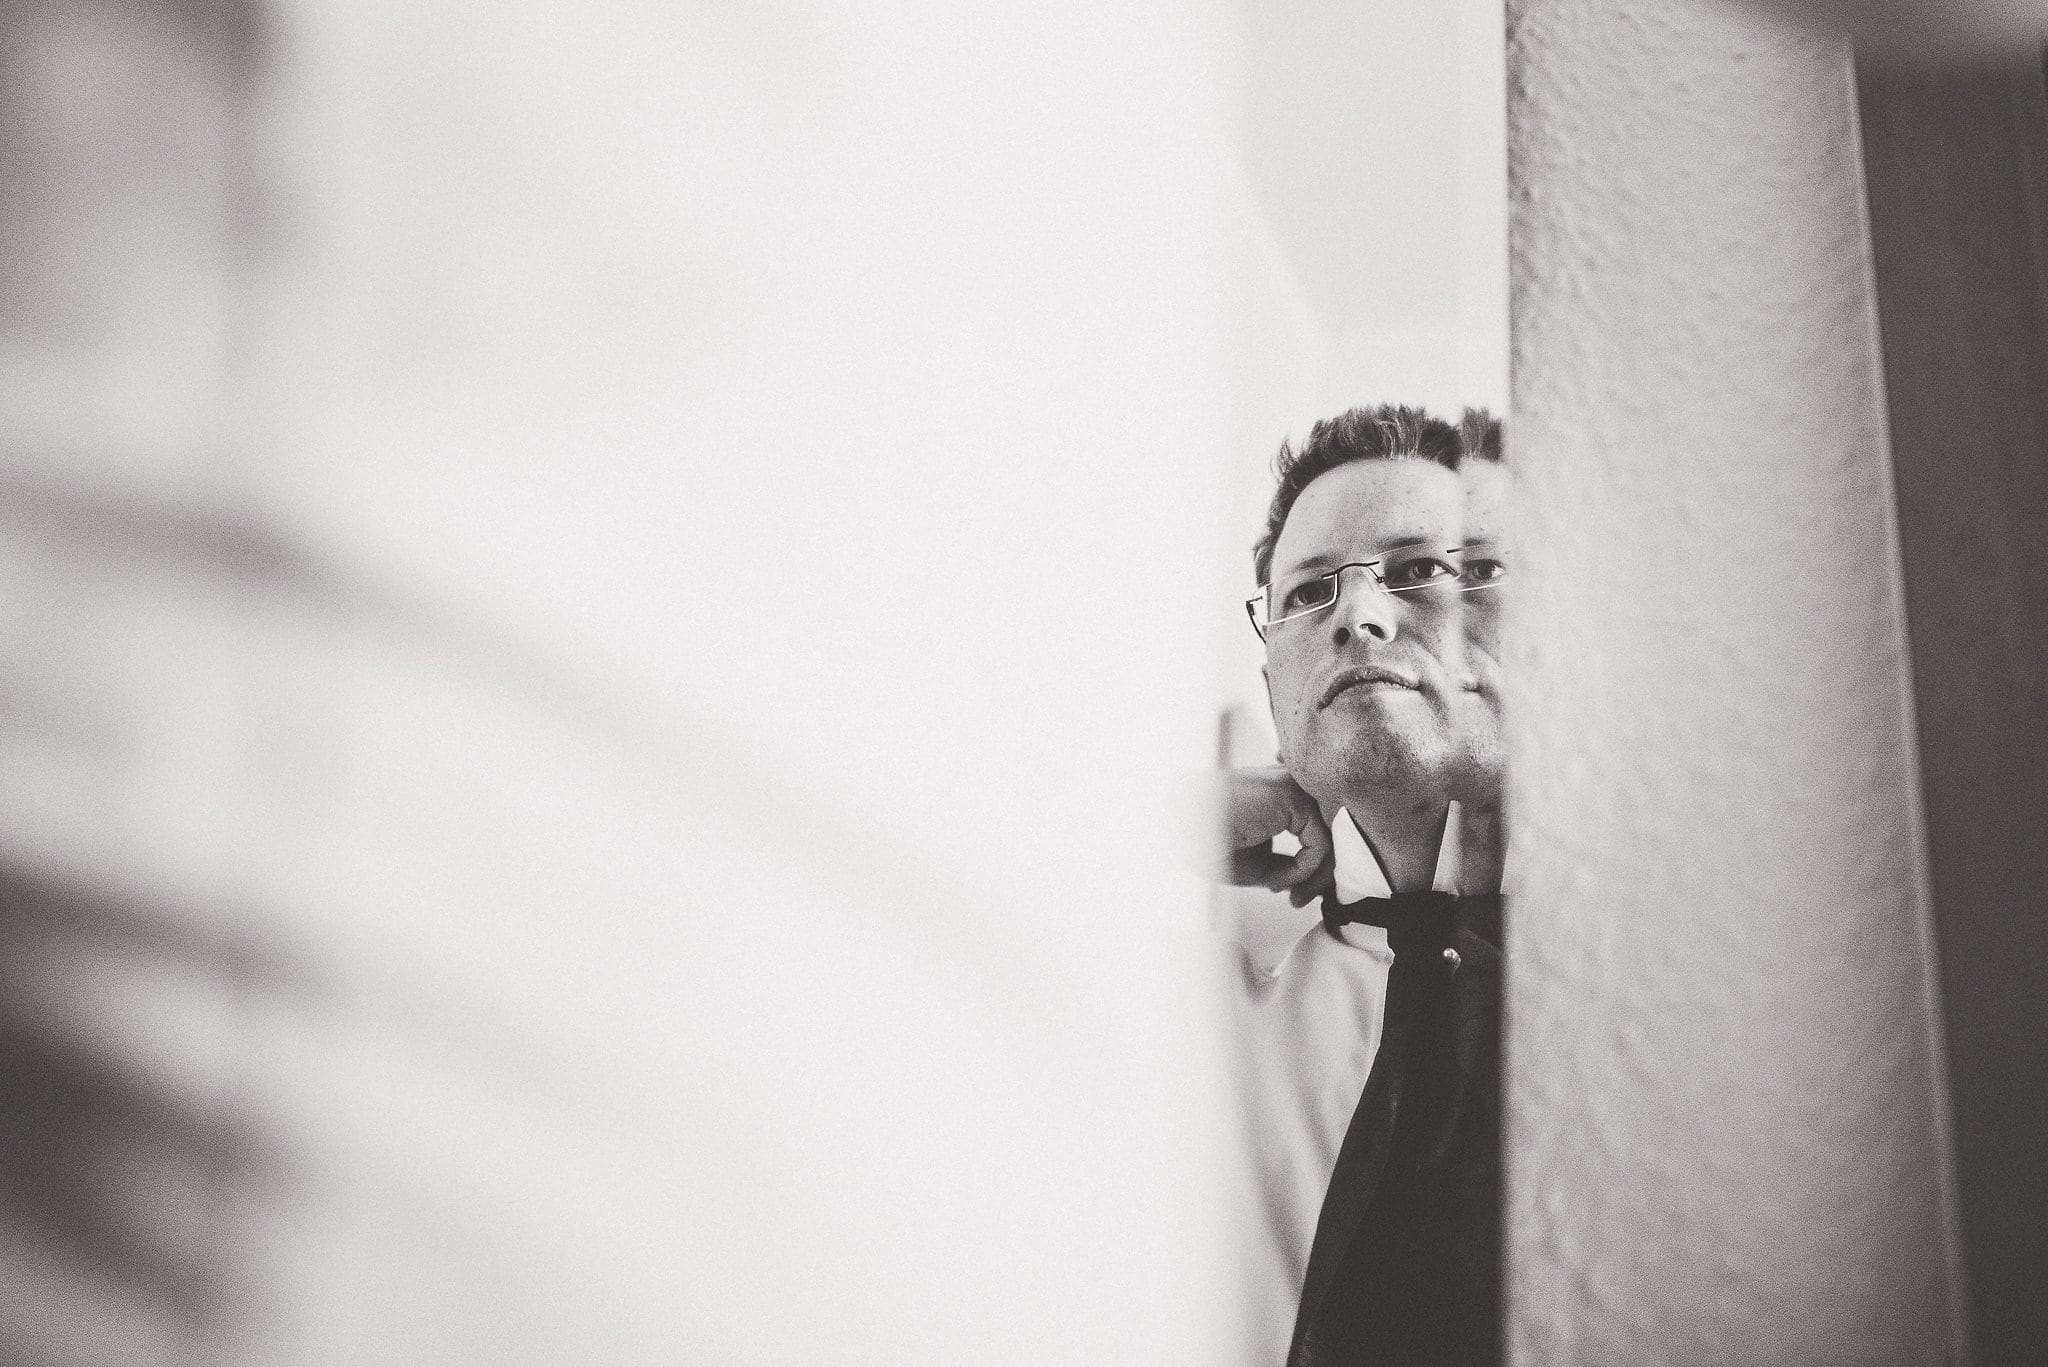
x=1258, y=804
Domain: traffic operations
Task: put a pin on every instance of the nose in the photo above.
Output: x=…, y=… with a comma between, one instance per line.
x=1363, y=608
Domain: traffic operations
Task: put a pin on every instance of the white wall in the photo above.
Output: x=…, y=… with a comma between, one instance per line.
x=1725, y=1137
x=630, y=550
x=1371, y=266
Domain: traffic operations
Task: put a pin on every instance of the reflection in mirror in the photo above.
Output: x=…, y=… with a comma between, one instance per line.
x=1362, y=745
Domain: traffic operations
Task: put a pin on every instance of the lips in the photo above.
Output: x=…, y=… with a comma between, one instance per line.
x=1370, y=674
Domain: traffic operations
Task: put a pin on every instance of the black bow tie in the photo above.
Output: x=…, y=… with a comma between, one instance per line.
x=1414, y=917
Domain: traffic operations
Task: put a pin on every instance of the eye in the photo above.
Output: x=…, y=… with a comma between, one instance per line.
x=1482, y=572
x=1310, y=593
x=1418, y=571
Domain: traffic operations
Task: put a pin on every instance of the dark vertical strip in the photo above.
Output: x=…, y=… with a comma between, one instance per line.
x=1957, y=167
x=127, y=210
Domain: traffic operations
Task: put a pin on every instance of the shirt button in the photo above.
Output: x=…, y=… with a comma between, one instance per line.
x=1451, y=958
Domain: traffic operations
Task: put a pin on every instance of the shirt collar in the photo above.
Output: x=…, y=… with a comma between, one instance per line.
x=1269, y=931
x=1359, y=873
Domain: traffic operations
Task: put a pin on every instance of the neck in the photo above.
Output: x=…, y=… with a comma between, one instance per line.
x=1482, y=847
x=1405, y=837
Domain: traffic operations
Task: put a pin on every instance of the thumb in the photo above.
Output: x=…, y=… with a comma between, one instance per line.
x=1318, y=846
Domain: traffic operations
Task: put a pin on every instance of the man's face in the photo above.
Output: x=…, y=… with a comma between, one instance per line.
x=1365, y=693
x=1479, y=711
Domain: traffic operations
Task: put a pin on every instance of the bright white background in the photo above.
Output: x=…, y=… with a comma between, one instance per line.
x=1372, y=146
x=642, y=589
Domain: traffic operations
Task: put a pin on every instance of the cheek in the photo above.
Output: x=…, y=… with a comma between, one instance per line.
x=1283, y=681
x=1451, y=645
x=1479, y=711
x=1292, y=708
x=1482, y=629
x=1438, y=630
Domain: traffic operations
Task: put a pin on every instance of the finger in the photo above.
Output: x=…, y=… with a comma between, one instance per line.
x=1317, y=873
x=1314, y=863
x=1325, y=881
x=1293, y=870
x=1318, y=848
x=1261, y=868
x=1323, y=884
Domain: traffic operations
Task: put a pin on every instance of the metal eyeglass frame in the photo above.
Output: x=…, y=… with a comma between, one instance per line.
x=1251, y=604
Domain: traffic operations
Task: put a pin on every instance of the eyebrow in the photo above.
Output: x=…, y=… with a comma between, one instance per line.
x=1324, y=561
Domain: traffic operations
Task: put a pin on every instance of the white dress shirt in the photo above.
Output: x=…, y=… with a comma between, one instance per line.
x=1307, y=1014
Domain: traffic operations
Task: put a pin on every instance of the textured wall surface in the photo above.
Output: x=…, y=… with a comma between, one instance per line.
x=1726, y=1143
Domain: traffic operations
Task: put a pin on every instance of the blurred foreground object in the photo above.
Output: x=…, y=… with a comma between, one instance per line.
x=538, y=547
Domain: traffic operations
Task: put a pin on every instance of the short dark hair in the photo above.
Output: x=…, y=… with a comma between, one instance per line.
x=1385, y=432
x=1479, y=435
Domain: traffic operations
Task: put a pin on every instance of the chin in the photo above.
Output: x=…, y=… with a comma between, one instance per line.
x=1415, y=759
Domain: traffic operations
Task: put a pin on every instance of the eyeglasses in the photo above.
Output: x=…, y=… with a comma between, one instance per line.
x=1412, y=570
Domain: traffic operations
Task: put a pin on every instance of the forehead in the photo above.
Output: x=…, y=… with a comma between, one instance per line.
x=1359, y=508
x=1486, y=499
